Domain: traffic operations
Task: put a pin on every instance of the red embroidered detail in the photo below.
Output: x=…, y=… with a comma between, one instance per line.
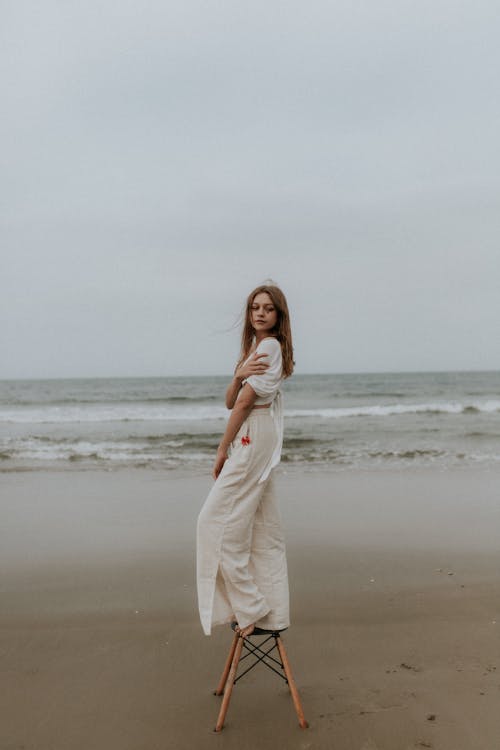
x=245, y=440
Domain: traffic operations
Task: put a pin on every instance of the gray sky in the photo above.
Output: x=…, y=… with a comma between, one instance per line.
x=159, y=160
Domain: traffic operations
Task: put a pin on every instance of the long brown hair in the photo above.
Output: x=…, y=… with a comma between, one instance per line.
x=282, y=330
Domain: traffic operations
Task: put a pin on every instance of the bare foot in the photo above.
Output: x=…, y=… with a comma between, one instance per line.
x=244, y=632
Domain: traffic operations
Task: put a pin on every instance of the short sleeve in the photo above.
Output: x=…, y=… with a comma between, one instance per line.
x=268, y=383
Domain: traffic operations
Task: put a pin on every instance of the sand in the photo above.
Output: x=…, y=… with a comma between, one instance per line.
x=395, y=594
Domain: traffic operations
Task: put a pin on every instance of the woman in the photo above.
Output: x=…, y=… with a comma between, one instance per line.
x=241, y=558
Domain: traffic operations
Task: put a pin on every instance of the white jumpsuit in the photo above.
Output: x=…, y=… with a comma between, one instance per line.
x=241, y=556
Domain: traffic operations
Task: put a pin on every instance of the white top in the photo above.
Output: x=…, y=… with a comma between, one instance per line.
x=267, y=388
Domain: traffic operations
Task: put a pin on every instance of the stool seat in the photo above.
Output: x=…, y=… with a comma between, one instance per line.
x=261, y=653
x=258, y=631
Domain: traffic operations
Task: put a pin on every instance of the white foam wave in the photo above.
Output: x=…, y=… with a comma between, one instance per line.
x=123, y=412
x=112, y=413
x=387, y=410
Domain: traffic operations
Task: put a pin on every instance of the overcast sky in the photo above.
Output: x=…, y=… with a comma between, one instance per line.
x=160, y=159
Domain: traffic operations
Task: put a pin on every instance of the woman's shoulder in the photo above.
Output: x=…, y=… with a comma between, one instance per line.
x=272, y=347
x=269, y=344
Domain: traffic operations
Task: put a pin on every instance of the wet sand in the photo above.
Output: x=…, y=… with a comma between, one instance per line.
x=395, y=601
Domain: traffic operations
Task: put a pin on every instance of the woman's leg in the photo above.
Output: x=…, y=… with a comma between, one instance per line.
x=247, y=600
x=268, y=564
x=226, y=585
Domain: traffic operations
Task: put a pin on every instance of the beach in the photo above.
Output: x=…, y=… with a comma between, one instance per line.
x=395, y=609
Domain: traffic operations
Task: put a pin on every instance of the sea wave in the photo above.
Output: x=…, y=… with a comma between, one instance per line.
x=190, y=458
x=124, y=412
x=111, y=413
x=387, y=410
x=184, y=449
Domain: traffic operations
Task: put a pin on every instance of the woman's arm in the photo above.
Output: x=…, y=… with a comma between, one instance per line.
x=254, y=366
x=240, y=412
x=232, y=391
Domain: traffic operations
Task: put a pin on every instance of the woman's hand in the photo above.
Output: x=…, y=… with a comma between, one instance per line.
x=254, y=366
x=220, y=460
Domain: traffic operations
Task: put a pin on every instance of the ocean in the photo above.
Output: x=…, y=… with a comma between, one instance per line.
x=348, y=421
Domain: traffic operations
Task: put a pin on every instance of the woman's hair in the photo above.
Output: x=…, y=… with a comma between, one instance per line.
x=281, y=330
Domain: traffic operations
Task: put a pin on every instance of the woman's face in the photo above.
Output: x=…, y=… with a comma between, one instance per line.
x=263, y=313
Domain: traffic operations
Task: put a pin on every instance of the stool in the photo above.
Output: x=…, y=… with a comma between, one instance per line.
x=262, y=655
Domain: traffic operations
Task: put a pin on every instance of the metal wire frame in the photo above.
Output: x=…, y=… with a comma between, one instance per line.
x=256, y=649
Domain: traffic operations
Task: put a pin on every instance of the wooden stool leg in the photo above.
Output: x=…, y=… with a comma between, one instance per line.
x=227, y=667
x=229, y=684
x=291, y=684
